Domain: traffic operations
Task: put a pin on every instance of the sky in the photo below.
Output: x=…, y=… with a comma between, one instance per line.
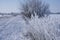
x=54, y=5
x=7, y=6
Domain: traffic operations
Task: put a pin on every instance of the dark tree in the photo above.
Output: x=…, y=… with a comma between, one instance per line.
x=32, y=7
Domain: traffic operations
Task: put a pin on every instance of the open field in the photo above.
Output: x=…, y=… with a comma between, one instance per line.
x=11, y=26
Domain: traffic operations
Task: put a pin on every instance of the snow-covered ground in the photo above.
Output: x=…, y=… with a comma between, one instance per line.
x=15, y=28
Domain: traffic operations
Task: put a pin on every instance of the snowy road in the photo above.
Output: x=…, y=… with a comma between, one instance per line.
x=9, y=26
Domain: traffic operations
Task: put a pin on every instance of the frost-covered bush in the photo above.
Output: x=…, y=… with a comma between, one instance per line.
x=41, y=29
x=31, y=6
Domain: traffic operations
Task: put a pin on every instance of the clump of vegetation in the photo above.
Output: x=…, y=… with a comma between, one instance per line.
x=32, y=7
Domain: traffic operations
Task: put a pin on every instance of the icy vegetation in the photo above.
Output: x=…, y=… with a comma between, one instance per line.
x=16, y=28
x=46, y=28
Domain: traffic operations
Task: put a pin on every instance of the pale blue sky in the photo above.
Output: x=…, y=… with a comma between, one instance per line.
x=54, y=5
x=9, y=5
x=13, y=5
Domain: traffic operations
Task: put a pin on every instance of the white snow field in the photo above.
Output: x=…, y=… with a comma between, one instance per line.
x=16, y=28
